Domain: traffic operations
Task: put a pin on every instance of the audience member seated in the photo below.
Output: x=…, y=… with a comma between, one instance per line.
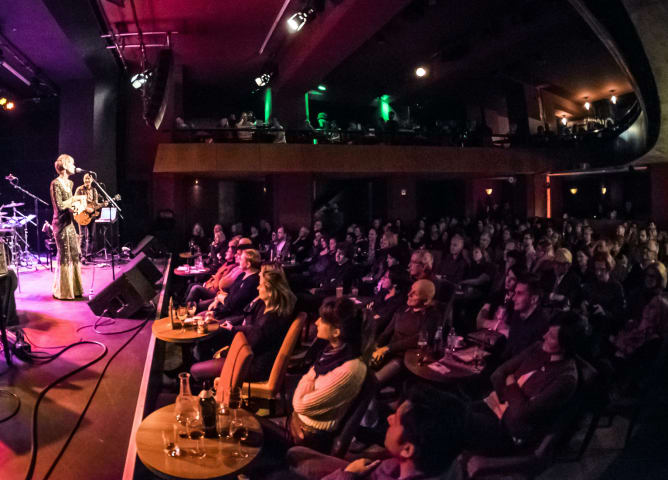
x=338, y=274
x=564, y=285
x=421, y=265
x=454, y=266
x=326, y=391
x=301, y=246
x=265, y=324
x=603, y=301
x=528, y=390
x=216, y=251
x=242, y=291
x=403, y=331
x=496, y=312
x=528, y=322
x=198, y=239
x=422, y=441
x=390, y=297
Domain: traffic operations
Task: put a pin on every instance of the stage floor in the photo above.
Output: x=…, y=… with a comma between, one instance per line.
x=98, y=450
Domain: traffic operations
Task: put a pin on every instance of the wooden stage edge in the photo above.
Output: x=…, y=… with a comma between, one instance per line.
x=131, y=455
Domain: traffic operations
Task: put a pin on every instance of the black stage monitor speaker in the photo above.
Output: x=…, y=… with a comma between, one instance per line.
x=149, y=245
x=130, y=291
x=156, y=104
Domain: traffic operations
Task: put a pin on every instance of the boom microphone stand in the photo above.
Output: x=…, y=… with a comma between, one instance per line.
x=14, y=182
x=118, y=209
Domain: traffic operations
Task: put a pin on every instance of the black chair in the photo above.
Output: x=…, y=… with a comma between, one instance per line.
x=353, y=417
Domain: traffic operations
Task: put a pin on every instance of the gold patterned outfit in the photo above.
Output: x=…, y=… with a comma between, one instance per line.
x=67, y=283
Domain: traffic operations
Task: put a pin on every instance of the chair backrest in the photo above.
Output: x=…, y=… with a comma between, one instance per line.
x=235, y=368
x=277, y=374
x=351, y=421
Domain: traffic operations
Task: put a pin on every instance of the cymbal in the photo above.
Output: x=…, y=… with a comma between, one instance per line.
x=13, y=205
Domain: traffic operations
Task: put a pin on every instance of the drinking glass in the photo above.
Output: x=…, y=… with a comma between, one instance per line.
x=196, y=432
x=182, y=314
x=169, y=441
x=223, y=422
x=238, y=431
x=191, y=307
x=234, y=398
x=422, y=343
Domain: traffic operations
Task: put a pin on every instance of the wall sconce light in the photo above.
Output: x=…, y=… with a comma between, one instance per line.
x=196, y=182
x=587, y=105
x=604, y=190
x=403, y=192
x=574, y=191
x=613, y=97
x=488, y=191
x=564, y=120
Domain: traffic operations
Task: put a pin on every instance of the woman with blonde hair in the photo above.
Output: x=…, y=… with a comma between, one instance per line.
x=67, y=283
x=266, y=322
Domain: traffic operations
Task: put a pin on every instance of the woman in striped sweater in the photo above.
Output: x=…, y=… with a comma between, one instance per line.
x=326, y=391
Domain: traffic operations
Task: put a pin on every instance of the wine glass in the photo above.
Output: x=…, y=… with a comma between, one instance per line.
x=234, y=398
x=169, y=441
x=182, y=314
x=195, y=428
x=191, y=307
x=239, y=431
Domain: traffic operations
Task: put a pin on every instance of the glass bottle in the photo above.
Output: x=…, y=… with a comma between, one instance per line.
x=186, y=405
x=207, y=405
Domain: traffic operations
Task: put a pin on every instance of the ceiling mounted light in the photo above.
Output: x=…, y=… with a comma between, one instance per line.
x=3, y=101
x=297, y=21
x=604, y=190
x=263, y=79
x=587, y=105
x=564, y=121
x=574, y=191
x=420, y=72
x=613, y=97
x=9, y=106
x=489, y=191
x=139, y=80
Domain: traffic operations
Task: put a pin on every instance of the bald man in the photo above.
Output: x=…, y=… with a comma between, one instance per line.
x=402, y=332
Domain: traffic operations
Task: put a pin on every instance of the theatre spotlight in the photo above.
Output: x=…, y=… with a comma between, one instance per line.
x=3, y=101
x=574, y=191
x=263, y=80
x=613, y=97
x=420, y=72
x=587, y=105
x=139, y=80
x=297, y=21
x=564, y=121
x=9, y=106
x=489, y=191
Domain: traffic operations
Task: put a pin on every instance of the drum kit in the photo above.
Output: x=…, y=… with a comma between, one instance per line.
x=14, y=235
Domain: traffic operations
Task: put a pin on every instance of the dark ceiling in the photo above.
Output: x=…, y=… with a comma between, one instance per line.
x=360, y=48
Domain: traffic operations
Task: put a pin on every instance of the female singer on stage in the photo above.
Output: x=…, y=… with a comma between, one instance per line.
x=67, y=283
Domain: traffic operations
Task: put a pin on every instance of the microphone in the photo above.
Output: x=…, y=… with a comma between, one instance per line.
x=81, y=170
x=11, y=177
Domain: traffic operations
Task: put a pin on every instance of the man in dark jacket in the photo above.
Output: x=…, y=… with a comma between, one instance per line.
x=530, y=390
x=528, y=322
x=243, y=290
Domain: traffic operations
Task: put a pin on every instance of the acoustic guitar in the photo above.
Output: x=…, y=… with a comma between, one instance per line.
x=84, y=217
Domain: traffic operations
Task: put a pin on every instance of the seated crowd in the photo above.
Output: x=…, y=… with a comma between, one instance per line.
x=543, y=296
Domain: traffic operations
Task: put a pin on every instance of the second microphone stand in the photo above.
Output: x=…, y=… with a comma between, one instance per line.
x=118, y=210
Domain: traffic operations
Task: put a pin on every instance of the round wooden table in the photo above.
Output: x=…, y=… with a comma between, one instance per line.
x=162, y=329
x=218, y=461
x=188, y=255
x=458, y=370
x=192, y=272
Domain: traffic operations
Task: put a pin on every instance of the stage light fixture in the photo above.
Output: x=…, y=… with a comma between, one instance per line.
x=587, y=105
x=297, y=21
x=3, y=101
x=263, y=80
x=322, y=88
x=420, y=72
x=574, y=191
x=613, y=97
x=564, y=121
x=489, y=191
x=10, y=106
x=139, y=80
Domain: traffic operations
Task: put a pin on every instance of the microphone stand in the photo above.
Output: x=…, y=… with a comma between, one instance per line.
x=118, y=209
x=36, y=199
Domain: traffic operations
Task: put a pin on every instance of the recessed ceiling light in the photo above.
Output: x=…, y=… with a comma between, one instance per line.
x=420, y=72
